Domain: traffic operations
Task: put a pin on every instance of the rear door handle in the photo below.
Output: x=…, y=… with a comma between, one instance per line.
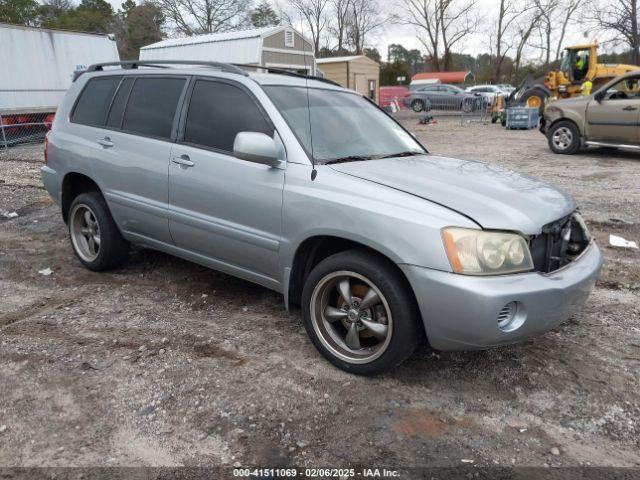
x=629, y=108
x=183, y=161
x=105, y=142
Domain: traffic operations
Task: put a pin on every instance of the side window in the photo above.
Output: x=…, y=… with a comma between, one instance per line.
x=94, y=101
x=218, y=112
x=152, y=106
x=119, y=102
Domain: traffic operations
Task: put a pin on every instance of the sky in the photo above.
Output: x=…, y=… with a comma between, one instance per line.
x=406, y=35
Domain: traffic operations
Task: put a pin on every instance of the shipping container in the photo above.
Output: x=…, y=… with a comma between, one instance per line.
x=37, y=65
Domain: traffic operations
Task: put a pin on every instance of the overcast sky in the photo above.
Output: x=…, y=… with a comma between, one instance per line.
x=477, y=43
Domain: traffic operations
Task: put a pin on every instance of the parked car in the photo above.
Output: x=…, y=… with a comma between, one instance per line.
x=506, y=88
x=443, y=97
x=489, y=92
x=607, y=118
x=313, y=191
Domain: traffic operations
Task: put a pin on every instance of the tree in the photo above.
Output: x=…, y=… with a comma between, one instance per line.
x=390, y=72
x=192, y=17
x=19, y=12
x=264, y=16
x=373, y=54
x=364, y=18
x=137, y=26
x=441, y=25
x=339, y=26
x=456, y=23
x=509, y=12
x=52, y=11
x=619, y=17
x=411, y=58
x=314, y=15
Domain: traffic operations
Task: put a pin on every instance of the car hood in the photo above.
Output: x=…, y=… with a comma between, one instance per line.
x=493, y=197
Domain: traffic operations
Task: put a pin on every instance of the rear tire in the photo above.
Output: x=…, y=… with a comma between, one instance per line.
x=95, y=238
x=564, y=138
x=360, y=336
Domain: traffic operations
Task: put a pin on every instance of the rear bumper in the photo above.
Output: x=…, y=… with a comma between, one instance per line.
x=461, y=312
x=52, y=183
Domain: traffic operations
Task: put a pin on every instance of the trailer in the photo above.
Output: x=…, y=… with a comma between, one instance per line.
x=36, y=69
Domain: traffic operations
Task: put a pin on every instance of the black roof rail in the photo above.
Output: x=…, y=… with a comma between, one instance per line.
x=282, y=71
x=133, y=64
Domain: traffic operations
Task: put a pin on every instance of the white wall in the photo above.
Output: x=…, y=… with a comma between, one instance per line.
x=36, y=65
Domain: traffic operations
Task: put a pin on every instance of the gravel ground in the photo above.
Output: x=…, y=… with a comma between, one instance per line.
x=165, y=363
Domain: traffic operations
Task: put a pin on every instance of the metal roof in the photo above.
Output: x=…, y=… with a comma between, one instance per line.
x=444, y=77
x=216, y=37
x=342, y=59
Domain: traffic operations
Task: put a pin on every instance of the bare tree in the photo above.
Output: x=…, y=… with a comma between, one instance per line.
x=456, y=23
x=569, y=7
x=522, y=35
x=339, y=27
x=364, y=18
x=192, y=17
x=314, y=14
x=620, y=17
x=424, y=16
x=441, y=25
x=502, y=41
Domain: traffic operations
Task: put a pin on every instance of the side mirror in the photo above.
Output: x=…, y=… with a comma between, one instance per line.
x=256, y=147
x=599, y=96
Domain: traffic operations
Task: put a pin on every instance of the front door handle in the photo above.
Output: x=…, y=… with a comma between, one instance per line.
x=105, y=142
x=183, y=161
x=629, y=108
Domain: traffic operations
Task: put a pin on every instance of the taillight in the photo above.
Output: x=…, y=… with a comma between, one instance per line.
x=46, y=147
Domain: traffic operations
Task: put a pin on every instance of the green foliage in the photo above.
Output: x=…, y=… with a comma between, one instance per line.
x=264, y=16
x=389, y=73
x=137, y=26
x=373, y=54
x=19, y=12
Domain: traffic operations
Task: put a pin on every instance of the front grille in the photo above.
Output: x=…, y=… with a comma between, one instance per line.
x=559, y=243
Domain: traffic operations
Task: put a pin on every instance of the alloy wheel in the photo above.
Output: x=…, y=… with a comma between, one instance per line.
x=562, y=138
x=85, y=232
x=351, y=317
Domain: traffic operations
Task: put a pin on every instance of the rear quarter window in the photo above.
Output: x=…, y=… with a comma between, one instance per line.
x=94, y=101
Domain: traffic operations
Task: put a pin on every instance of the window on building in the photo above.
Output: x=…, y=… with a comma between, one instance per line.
x=289, y=38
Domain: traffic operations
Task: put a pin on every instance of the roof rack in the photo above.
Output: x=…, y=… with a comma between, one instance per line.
x=282, y=71
x=133, y=64
x=222, y=66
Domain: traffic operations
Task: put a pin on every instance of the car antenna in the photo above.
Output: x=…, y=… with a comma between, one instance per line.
x=314, y=172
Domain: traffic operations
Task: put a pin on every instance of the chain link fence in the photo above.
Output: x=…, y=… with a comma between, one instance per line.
x=23, y=128
x=465, y=108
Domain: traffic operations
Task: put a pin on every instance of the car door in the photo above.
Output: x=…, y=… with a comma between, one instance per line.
x=225, y=210
x=133, y=150
x=616, y=117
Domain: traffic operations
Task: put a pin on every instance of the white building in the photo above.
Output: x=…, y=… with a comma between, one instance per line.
x=279, y=47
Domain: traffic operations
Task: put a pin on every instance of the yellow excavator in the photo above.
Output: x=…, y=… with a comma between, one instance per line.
x=579, y=63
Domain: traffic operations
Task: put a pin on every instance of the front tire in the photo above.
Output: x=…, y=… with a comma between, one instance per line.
x=564, y=138
x=95, y=238
x=360, y=313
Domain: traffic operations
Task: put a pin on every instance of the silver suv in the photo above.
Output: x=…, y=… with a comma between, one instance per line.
x=313, y=191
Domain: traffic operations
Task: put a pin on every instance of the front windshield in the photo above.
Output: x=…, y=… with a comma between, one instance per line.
x=343, y=125
x=565, y=66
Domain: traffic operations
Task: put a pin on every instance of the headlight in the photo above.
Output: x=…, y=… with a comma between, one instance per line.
x=477, y=252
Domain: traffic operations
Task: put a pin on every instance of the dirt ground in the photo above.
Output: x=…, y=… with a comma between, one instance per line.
x=165, y=363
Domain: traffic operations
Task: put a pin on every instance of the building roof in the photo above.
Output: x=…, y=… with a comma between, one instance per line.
x=219, y=37
x=55, y=30
x=342, y=59
x=444, y=77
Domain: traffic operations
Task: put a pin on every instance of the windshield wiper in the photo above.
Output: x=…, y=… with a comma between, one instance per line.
x=408, y=153
x=349, y=158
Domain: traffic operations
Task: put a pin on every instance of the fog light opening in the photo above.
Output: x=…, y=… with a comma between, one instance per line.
x=511, y=317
